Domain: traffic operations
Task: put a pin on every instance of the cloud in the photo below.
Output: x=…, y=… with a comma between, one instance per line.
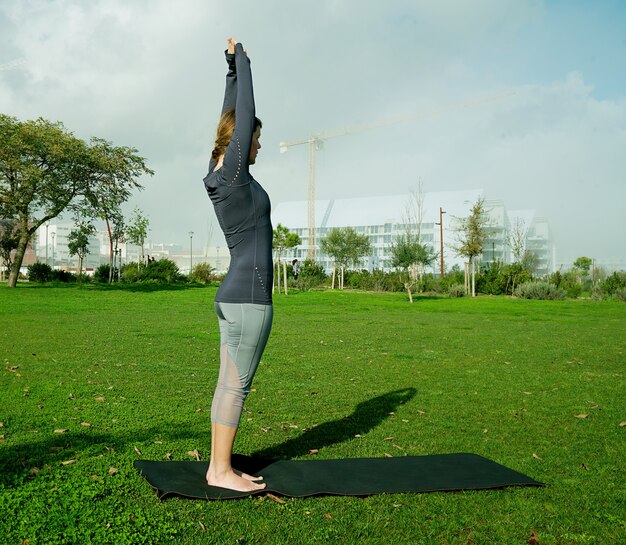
x=150, y=74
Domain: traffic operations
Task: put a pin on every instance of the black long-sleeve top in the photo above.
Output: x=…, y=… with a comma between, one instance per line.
x=241, y=205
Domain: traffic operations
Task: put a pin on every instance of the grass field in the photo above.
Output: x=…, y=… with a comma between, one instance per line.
x=100, y=377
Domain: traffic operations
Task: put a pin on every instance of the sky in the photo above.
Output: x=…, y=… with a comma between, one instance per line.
x=523, y=99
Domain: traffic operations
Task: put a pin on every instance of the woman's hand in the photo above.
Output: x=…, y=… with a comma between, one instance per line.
x=231, y=46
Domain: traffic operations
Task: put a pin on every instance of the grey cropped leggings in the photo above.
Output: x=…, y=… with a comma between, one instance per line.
x=244, y=330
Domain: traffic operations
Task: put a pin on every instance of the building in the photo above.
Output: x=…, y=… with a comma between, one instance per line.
x=51, y=248
x=382, y=219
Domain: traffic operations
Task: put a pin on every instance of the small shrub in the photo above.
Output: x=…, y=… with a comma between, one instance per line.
x=39, y=272
x=202, y=273
x=539, y=290
x=456, y=290
x=64, y=276
x=614, y=282
x=311, y=275
x=163, y=271
x=101, y=274
x=620, y=294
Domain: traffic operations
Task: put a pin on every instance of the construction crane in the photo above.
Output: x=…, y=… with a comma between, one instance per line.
x=316, y=142
x=11, y=65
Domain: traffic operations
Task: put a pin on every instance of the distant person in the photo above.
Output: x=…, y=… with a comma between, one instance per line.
x=243, y=302
x=295, y=264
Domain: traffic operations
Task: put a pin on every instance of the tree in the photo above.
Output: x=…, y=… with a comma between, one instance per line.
x=471, y=235
x=115, y=173
x=516, y=240
x=347, y=247
x=8, y=241
x=282, y=240
x=409, y=255
x=524, y=261
x=582, y=265
x=137, y=229
x=44, y=170
x=78, y=243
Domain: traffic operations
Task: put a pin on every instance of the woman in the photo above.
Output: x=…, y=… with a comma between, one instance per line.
x=243, y=302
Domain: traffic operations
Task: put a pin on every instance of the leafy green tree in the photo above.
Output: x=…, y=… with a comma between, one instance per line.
x=78, y=243
x=471, y=235
x=409, y=255
x=282, y=240
x=8, y=241
x=44, y=170
x=346, y=247
x=137, y=230
x=582, y=265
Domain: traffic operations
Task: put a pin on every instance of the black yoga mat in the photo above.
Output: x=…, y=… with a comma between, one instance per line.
x=346, y=477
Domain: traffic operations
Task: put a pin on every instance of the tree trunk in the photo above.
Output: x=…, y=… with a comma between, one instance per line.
x=341, y=279
x=473, y=279
x=17, y=260
x=111, y=264
x=285, y=277
x=407, y=285
x=466, y=279
x=332, y=287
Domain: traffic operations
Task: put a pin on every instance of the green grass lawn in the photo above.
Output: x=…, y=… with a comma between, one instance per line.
x=100, y=377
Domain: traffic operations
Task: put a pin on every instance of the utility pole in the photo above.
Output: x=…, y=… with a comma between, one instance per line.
x=441, y=213
x=190, y=251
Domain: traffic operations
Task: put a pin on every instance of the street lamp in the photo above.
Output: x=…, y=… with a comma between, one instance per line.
x=441, y=213
x=47, y=224
x=53, y=235
x=190, y=251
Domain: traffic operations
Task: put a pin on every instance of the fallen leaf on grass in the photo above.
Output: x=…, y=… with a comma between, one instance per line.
x=537, y=457
x=276, y=498
x=313, y=451
x=1, y=437
x=85, y=424
x=389, y=439
x=581, y=416
x=202, y=526
x=534, y=538
x=421, y=412
x=168, y=456
x=100, y=399
x=113, y=470
x=110, y=449
x=388, y=455
x=34, y=471
x=194, y=454
x=328, y=515
x=68, y=462
x=200, y=410
x=622, y=424
x=583, y=466
x=60, y=430
x=397, y=446
x=357, y=435
x=1, y=424
x=138, y=451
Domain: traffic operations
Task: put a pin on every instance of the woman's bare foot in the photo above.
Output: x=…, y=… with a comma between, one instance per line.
x=234, y=481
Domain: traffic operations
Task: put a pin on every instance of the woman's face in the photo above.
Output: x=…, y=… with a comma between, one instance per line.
x=255, y=146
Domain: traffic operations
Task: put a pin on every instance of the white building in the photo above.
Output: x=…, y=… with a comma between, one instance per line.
x=382, y=219
x=51, y=248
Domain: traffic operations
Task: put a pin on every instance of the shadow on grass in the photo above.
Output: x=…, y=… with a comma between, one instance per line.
x=17, y=461
x=366, y=416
